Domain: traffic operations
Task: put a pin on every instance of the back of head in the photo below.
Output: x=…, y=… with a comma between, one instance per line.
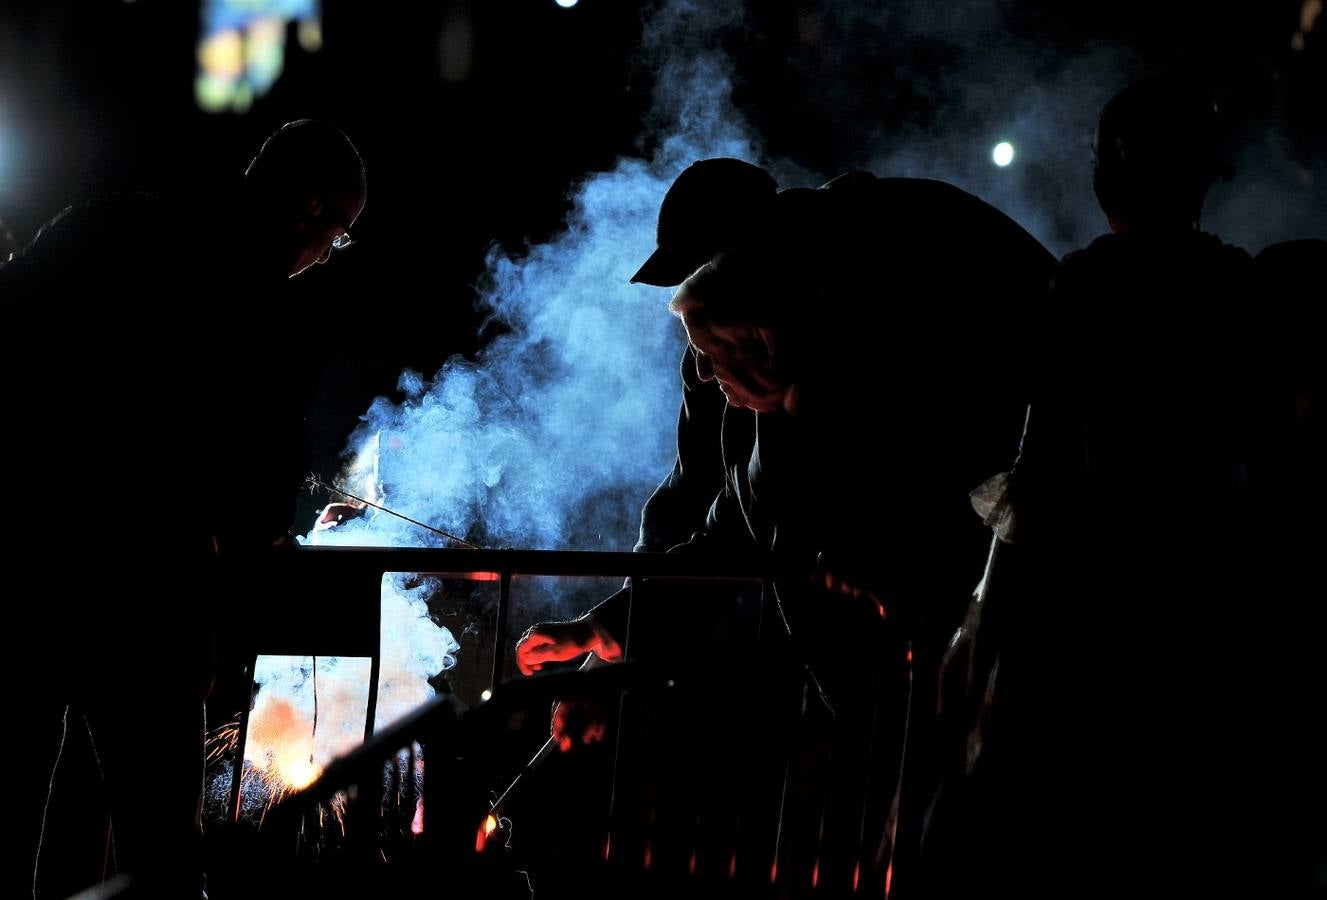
x=1159, y=146
x=304, y=159
x=714, y=205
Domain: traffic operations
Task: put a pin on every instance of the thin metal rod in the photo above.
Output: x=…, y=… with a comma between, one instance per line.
x=540, y=755
x=309, y=479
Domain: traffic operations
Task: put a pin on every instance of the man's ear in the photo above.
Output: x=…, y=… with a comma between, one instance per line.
x=311, y=211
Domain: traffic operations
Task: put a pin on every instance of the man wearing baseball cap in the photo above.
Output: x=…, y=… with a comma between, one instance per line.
x=714, y=205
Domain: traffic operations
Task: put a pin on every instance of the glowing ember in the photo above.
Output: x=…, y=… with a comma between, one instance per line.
x=774, y=871
x=486, y=829
x=732, y=865
x=649, y=855
x=691, y=865
x=889, y=878
x=856, y=875
x=815, y=874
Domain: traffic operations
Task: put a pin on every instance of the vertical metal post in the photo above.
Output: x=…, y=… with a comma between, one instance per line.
x=500, y=627
x=375, y=670
x=237, y=771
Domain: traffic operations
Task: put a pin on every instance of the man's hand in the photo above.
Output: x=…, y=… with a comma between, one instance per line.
x=333, y=514
x=574, y=721
x=577, y=722
x=558, y=642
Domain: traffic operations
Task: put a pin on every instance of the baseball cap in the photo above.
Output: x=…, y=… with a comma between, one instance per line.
x=714, y=205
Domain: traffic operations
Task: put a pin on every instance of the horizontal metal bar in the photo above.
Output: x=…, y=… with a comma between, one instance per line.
x=462, y=563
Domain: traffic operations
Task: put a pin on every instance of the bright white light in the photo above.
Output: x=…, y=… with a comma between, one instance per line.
x=566, y=4
x=1003, y=154
x=487, y=694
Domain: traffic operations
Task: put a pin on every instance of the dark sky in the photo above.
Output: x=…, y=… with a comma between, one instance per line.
x=97, y=96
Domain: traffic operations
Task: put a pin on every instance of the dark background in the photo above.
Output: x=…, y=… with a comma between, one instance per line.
x=97, y=96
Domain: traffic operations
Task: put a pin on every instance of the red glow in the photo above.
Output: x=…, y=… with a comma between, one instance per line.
x=879, y=607
x=691, y=864
x=732, y=865
x=909, y=654
x=486, y=828
x=815, y=874
x=480, y=576
x=774, y=871
x=856, y=875
x=608, y=847
x=889, y=878
x=649, y=855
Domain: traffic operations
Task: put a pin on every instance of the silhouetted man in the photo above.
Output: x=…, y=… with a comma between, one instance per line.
x=852, y=345
x=1131, y=732
x=158, y=408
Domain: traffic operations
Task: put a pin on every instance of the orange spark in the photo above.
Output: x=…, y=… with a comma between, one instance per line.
x=489, y=825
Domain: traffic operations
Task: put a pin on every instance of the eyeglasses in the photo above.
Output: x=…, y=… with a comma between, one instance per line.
x=342, y=241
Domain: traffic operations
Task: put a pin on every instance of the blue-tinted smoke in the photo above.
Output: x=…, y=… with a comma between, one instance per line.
x=556, y=434
x=929, y=89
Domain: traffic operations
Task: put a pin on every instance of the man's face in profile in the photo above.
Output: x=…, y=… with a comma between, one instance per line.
x=740, y=357
x=328, y=226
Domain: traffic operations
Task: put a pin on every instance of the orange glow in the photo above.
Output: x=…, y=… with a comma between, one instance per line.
x=292, y=769
x=815, y=874
x=490, y=825
x=479, y=576
x=909, y=654
x=889, y=878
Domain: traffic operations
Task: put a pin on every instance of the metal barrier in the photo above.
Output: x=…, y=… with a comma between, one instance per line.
x=467, y=749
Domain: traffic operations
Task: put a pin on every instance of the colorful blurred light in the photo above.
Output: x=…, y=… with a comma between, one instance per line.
x=242, y=48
